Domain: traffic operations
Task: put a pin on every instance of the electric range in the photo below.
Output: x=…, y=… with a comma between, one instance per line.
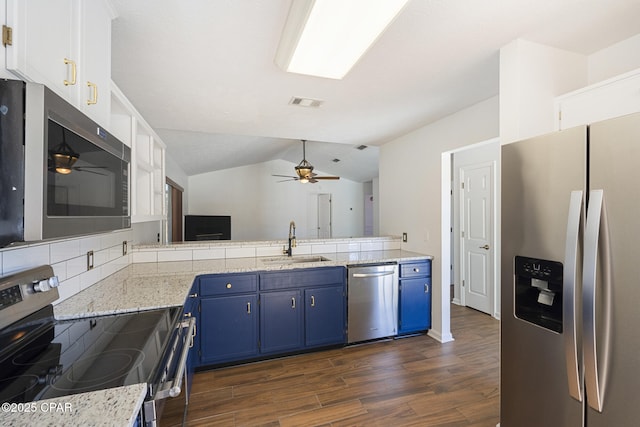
x=42, y=358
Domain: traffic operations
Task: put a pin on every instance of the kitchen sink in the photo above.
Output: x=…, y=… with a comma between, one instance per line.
x=294, y=260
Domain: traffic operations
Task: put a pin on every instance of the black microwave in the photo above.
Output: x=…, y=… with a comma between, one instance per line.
x=76, y=174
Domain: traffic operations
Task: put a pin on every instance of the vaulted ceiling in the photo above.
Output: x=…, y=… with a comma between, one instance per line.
x=202, y=73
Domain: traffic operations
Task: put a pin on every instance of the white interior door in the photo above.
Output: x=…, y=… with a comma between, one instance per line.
x=324, y=216
x=477, y=235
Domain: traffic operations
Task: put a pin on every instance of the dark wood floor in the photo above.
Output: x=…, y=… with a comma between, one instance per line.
x=406, y=382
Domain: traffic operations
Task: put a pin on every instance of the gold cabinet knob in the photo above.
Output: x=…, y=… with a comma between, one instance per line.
x=228, y=285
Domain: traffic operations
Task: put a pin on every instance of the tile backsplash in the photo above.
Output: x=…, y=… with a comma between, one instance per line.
x=188, y=251
x=68, y=258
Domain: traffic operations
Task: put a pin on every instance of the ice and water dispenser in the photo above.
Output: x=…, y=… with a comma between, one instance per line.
x=538, y=292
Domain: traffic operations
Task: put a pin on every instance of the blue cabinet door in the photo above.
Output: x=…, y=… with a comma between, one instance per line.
x=281, y=327
x=228, y=328
x=415, y=305
x=324, y=310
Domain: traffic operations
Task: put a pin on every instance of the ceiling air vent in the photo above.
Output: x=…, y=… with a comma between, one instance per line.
x=305, y=102
x=361, y=147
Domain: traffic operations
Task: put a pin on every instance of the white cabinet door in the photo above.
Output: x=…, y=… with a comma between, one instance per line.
x=43, y=37
x=4, y=73
x=65, y=45
x=94, y=94
x=612, y=98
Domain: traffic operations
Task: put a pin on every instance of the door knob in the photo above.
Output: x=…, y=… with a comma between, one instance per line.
x=486, y=247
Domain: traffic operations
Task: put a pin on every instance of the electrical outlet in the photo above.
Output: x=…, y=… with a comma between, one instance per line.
x=404, y=237
x=89, y=260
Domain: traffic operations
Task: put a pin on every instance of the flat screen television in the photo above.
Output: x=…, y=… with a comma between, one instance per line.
x=207, y=227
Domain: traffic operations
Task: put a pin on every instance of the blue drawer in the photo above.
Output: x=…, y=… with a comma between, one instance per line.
x=415, y=269
x=228, y=284
x=270, y=281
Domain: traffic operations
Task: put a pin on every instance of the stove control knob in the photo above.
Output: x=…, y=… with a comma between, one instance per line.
x=46, y=284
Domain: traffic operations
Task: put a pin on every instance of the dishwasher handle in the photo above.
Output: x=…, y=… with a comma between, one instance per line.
x=377, y=274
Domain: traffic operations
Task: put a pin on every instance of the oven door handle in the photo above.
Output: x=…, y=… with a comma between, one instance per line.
x=176, y=385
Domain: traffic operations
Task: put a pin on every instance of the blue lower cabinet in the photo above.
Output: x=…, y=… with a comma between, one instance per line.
x=229, y=328
x=281, y=322
x=415, y=305
x=288, y=312
x=415, y=297
x=324, y=316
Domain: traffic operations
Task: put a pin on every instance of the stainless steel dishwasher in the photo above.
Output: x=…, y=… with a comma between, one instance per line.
x=372, y=302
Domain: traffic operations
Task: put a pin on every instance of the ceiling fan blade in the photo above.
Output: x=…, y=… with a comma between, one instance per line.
x=83, y=169
x=326, y=177
x=287, y=180
x=286, y=176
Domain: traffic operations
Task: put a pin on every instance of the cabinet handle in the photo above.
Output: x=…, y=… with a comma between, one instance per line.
x=248, y=308
x=313, y=301
x=293, y=303
x=73, y=72
x=193, y=335
x=228, y=285
x=426, y=288
x=193, y=295
x=94, y=94
x=416, y=270
x=187, y=315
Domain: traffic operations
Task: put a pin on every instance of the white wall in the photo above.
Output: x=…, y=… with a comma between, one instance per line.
x=614, y=60
x=531, y=76
x=410, y=186
x=261, y=207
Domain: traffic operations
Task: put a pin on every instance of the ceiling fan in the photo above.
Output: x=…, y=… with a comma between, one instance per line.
x=304, y=171
x=62, y=159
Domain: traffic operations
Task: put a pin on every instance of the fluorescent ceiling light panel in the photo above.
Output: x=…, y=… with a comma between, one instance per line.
x=326, y=38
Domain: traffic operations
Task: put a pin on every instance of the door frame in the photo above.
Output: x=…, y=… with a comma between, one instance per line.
x=449, y=212
x=174, y=228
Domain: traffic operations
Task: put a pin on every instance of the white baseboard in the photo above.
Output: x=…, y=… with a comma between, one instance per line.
x=439, y=337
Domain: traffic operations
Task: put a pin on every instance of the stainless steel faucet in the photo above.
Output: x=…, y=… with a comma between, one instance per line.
x=292, y=239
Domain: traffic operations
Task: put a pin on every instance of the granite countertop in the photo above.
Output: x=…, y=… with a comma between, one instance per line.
x=111, y=407
x=148, y=286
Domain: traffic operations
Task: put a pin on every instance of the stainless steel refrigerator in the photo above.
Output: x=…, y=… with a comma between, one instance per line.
x=570, y=328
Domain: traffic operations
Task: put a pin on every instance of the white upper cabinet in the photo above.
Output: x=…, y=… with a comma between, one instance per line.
x=42, y=41
x=611, y=98
x=66, y=45
x=147, y=159
x=4, y=73
x=95, y=56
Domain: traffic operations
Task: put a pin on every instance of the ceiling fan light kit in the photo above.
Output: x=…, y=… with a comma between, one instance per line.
x=63, y=157
x=304, y=171
x=326, y=38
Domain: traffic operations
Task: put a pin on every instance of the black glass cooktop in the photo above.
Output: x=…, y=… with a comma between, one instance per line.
x=77, y=356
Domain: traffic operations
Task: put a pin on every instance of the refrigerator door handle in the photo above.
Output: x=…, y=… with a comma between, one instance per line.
x=596, y=224
x=570, y=308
